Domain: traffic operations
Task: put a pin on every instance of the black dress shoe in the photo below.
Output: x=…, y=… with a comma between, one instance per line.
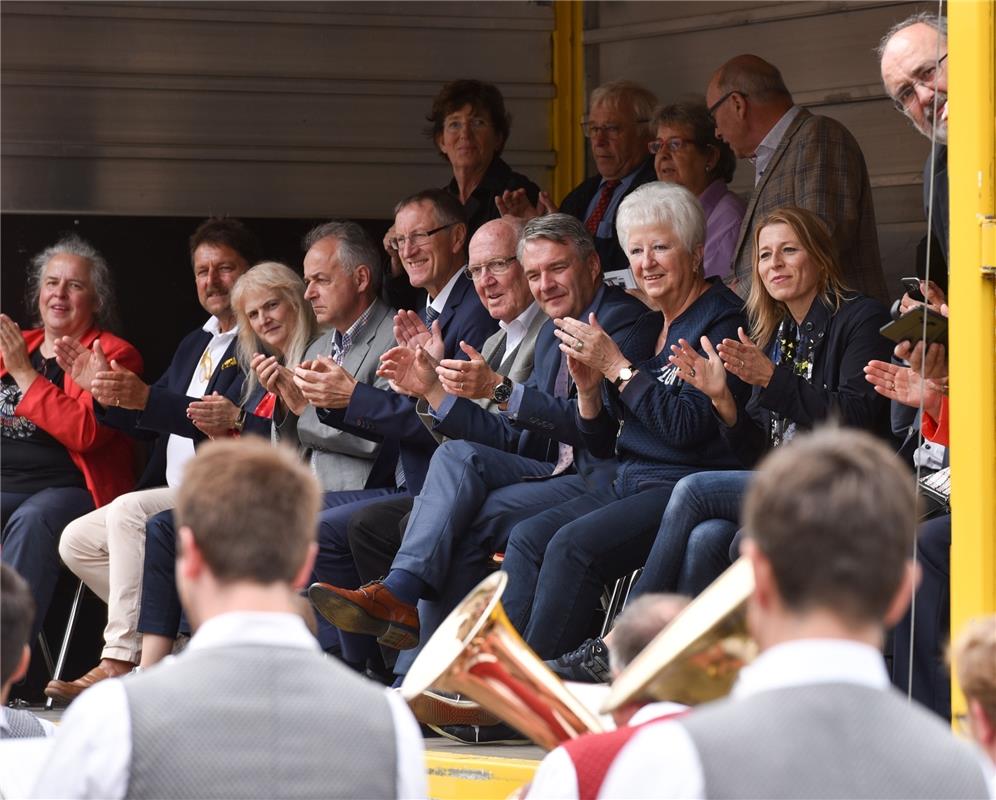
x=588, y=664
x=482, y=734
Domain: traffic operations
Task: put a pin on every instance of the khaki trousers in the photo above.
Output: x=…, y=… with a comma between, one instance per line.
x=106, y=550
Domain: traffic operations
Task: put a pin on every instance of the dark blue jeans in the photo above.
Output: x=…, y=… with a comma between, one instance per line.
x=559, y=561
x=161, y=612
x=689, y=551
x=32, y=525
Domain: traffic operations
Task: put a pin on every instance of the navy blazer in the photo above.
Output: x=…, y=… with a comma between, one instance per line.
x=385, y=416
x=542, y=420
x=845, y=340
x=166, y=411
x=576, y=204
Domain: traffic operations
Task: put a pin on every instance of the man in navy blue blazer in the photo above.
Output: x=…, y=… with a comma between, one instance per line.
x=201, y=387
x=507, y=465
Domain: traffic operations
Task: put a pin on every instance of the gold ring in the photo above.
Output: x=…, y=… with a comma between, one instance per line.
x=579, y=345
x=691, y=372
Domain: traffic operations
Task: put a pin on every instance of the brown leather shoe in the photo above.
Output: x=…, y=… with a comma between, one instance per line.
x=371, y=609
x=441, y=709
x=67, y=691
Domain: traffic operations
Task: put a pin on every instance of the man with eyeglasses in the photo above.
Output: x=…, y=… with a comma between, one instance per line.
x=800, y=159
x=486, y=377
x=913, y=57
x=619, y=130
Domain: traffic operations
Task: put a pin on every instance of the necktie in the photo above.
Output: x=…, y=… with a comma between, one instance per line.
x=565, y=453
x=608, y=189
x=430, y=316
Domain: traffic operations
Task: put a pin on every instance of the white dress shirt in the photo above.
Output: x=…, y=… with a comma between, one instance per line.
x=515, y=331
x=438, y=303
x=766, y=149
x=662, y=760
x=179, y=449
x=92, y=753
x=557, y=777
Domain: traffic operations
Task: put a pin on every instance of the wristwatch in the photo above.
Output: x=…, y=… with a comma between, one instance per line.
x=624, y=375
x=502, y=391
x=240, y=421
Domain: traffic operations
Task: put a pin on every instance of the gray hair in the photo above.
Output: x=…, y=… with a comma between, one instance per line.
x=639, y=624
x=356, y=248
x=559, y=228
x=629, y=95
x=660, y=203
x=928, y=18
x=105, y=308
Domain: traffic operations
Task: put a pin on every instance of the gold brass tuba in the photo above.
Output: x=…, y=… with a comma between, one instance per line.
x=478, y=653
x=698, y=656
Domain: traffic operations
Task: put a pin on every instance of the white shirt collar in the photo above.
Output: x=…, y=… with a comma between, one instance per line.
x=213, y=327
x=766, y=149
x=254, y=627
x=439, y=301
x=515, y=331
x=650, y=711
x=813, y=661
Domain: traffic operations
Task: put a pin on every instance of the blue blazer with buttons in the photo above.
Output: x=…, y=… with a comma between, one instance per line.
x=385, y=416
x=541, y=420
x=166, y=411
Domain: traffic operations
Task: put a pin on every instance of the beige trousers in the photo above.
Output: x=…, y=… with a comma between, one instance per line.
x=106, y=550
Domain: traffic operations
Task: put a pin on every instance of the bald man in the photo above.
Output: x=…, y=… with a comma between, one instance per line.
x=800, y=159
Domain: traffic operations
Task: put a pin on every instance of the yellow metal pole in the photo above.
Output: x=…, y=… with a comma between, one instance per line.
x=568, y=101
x=971, y=171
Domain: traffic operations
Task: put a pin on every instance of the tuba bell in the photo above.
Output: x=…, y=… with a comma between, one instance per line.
x=698, y=656
x=478, y=653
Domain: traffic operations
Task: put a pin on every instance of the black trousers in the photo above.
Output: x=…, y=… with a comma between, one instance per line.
x=375, y=533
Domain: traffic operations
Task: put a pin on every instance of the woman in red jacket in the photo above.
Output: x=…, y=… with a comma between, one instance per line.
x=57, y=461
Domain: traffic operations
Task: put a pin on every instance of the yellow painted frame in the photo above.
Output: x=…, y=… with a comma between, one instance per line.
x=972, y=183
x=453, y=776
x=568, y=101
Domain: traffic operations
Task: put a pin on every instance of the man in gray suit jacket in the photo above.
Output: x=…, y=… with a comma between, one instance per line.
x=299, y=725
x=829, y=521
x=343, y=273
x=800, y=159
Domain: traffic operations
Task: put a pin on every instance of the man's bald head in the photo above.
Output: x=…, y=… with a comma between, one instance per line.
x=747, y=96
x=493, y=247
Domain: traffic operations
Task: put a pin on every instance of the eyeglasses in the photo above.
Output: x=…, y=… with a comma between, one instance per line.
x=926, y=76
x=416, y=239
x=472, y=124
x=609, y=131
x=496, y=266
x=723, y=99
x=674, y=144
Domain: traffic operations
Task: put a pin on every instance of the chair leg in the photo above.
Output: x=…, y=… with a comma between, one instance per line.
x=66, y=638
x=46, y=652
x=612, y=606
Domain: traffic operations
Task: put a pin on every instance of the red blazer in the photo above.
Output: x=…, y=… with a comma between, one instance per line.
x=937, y=429
x=103, y=455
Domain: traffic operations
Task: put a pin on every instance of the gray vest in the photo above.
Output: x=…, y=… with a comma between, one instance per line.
x=21, y=724
x=252, y=721
x=830, y=741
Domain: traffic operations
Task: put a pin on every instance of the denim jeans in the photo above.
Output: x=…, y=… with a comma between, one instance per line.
x=679, y=560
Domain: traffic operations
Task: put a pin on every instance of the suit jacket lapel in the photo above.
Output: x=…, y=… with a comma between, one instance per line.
x=748, y=221
x=357, y=355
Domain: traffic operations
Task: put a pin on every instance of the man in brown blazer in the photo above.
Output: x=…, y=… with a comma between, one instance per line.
x=800, y=159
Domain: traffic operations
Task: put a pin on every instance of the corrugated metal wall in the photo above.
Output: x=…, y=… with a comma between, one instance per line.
x=252, y=109
x=825, y=51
